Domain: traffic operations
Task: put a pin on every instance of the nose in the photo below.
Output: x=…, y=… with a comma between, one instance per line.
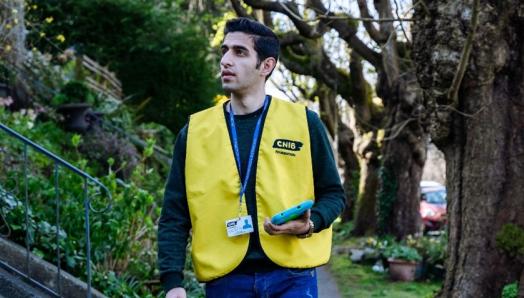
x=226, y=60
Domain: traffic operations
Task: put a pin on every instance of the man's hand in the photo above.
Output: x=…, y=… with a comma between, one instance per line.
x=176, y=293
x=293, y=227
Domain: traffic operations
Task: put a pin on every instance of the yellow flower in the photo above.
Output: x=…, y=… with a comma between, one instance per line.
x=15, y=21
x=49, y=20
x=60, y=38
x=8, y=26
x=8, y=48
x=42, y=34
x=34, y=6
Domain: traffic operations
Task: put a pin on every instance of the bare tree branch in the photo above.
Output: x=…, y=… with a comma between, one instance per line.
x=309, y=58
x=373, y=32
x=383, y=8
x=289, y=9
x=240, y=11
x=401, y=25
x=372, y=20
x=348, y=33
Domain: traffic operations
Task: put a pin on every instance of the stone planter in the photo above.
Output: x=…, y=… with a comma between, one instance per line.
x=402, y=270
x=78, y=117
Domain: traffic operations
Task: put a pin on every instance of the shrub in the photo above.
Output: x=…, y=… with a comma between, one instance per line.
x=74, y=92
x=160, y=54
x=432, y=249
x=511, y=239
x=123, y=238
x=510, y=290
x=402, y=252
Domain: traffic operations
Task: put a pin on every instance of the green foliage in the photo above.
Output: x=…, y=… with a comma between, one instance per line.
x=74, y=92
x=386, y=199
x=123, y=238
x=510, y=290
x=511, y=239
x=342, y=231
x=402, y=252
x=431, y=248
x=118, y=286
x=360, y=281
x=75, y=140
x=159, y=54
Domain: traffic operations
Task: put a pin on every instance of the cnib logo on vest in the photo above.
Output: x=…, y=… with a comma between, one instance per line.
x=289, y=145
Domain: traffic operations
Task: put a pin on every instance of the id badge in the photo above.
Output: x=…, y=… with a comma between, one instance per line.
x=239, y=226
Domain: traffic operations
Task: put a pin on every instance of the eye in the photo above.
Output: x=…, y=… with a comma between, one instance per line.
x=240, y=52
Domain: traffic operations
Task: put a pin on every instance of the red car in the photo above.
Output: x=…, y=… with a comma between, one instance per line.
x=432, y=205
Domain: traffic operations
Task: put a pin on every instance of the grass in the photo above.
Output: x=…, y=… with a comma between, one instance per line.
x=359, y=281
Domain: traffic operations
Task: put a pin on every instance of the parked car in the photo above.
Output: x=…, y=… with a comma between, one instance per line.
x=432, y=205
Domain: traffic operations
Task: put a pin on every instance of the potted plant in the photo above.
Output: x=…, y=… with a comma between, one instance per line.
x=433, y=252
x=403, y=261
x=74, y=103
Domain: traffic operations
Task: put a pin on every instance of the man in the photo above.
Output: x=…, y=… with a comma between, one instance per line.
x=234, y=166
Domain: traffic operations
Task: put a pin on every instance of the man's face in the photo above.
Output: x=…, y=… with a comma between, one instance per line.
x=238, y=65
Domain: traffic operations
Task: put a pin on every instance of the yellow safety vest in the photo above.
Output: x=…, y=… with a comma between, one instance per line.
x=284, y=177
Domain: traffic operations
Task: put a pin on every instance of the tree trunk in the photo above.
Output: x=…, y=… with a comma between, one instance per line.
x=12, y=47
x=327, y=99
x=367, y=152
x=343, y=137
x=404, y=155
x=365, y=120
x=365, y=213
x=351, y=169
x=13, y=31
x=481, y=132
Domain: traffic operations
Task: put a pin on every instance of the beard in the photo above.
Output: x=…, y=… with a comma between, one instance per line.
x=230, y=87
x=227, y=89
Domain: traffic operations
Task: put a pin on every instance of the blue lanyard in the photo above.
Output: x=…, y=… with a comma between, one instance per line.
x=234, y=138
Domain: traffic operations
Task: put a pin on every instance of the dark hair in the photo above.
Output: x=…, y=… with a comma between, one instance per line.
x=265, y=41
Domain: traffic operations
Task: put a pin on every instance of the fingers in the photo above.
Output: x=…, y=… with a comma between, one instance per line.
x=306, y=216
x=270, y=228
x=293, y=227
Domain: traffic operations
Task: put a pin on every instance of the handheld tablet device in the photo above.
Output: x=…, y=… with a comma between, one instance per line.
x=291, y=213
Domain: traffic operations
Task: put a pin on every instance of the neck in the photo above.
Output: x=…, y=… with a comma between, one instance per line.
x=247, y=104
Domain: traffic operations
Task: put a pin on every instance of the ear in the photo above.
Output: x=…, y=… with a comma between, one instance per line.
x=267, y=66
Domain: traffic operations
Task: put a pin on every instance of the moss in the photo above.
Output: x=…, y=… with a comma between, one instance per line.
x=510, y=238
x=386, y=199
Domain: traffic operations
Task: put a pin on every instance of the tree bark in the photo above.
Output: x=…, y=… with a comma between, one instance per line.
x=12, y=47
x=351, y=169
x=367, y=151
x=480, y=129
x=13, y=31
x=403, y=159
x=365, y=220
x=327, y=99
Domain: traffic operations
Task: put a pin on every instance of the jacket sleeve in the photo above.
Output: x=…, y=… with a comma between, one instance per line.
x=329, y=194
x=174, y=223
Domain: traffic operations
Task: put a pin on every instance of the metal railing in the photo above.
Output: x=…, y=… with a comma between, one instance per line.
x=87, y=181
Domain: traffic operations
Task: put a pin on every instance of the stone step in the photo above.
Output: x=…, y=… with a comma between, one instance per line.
x=13, y=286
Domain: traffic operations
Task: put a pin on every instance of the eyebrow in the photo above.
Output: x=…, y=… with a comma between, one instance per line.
x=235, y=47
